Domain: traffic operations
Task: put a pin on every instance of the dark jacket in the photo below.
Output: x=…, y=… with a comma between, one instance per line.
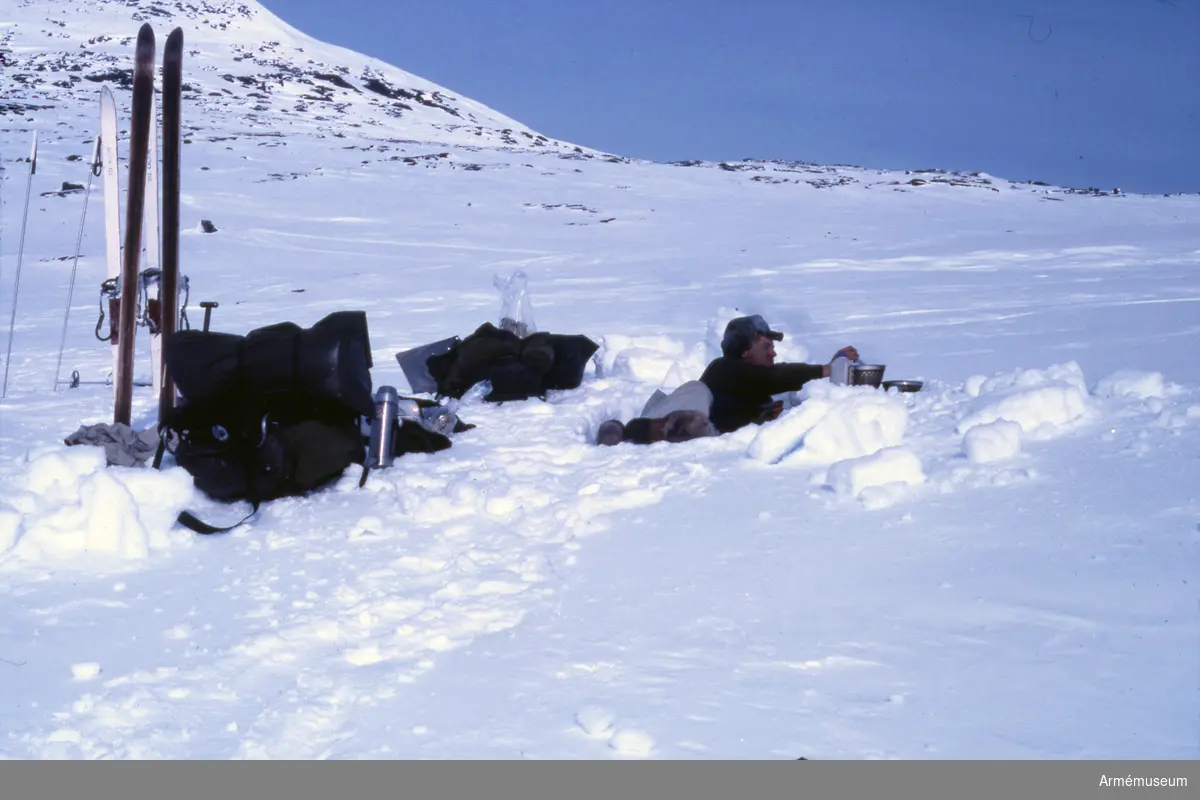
x=742, y=391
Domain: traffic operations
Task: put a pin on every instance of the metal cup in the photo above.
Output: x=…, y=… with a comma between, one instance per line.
x=441, y=418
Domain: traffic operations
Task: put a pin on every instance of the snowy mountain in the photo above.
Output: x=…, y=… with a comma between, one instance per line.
x=248, y=73
x=1002, y=565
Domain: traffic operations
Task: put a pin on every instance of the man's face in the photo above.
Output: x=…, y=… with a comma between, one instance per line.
x=762, y=352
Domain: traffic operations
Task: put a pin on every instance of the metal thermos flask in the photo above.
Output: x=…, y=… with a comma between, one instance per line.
x=380, y=447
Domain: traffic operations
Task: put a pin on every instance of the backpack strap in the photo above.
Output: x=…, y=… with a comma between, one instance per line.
x=189, y=520
x=158, y=453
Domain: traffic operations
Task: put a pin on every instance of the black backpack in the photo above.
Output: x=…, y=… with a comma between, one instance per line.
x=517, y=368
x=279, y=412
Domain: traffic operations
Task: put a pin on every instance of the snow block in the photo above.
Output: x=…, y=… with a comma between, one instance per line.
x=833, y=423
x=1132, y=384
x=993, y=441
x=1040, y=401
x=74, y=509
x=892, y=465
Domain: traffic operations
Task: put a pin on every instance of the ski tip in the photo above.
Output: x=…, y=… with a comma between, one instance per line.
x=144, y=52
x=175, y=37
x=145, y=37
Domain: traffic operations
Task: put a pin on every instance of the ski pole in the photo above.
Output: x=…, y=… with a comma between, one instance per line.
x=208, y=306
x=62, y=343
x=2, y=171
x=20, y=255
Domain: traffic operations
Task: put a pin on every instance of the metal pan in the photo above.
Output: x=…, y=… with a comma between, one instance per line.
x=903, y=386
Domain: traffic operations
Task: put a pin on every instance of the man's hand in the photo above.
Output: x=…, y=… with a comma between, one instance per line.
x=771, y=412
x=849, y=352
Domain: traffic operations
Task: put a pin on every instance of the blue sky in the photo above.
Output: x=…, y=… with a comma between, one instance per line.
x=1081, y=93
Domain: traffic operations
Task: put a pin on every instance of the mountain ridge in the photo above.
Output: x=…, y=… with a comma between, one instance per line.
x=244, y=61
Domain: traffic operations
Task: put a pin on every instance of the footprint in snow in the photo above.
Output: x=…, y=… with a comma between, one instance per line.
x=596, y=721
x=600, y=723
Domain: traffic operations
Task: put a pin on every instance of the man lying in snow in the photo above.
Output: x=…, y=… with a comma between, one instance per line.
x=735, y=390
x=746, y=376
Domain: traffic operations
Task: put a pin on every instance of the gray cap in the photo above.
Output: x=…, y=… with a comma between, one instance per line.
x=741, y=332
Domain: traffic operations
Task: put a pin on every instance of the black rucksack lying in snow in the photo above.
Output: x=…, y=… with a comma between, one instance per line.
x=275, y=413
x=517, y=368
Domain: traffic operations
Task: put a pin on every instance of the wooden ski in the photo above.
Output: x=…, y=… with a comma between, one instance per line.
x=150, y=278
x=139, y=136
x=171, y=135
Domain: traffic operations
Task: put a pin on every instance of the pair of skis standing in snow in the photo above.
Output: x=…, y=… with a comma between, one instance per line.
x=127, y=286
x=124, y=278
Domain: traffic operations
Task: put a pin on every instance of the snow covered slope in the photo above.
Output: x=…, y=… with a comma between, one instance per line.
x=1002, y=565
x=247, y=72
